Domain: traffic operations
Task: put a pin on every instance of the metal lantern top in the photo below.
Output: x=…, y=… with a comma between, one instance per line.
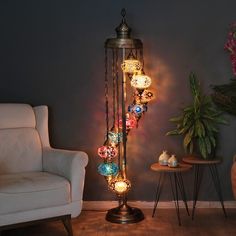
x=123, y=39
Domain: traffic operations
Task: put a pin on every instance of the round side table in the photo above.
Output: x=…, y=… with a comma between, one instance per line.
x=199, y=165
x=177, y=184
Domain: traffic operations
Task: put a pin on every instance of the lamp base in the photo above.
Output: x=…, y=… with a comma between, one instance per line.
x=124, y=214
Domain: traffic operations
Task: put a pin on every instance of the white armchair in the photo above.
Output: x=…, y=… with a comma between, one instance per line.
x=37, y=182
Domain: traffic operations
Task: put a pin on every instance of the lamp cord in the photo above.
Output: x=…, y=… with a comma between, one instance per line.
x=106, y=96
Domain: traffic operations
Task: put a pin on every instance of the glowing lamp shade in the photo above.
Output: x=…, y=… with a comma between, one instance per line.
x=137, y=109
x=131, y=66
x=107, y=169
x=114, y=137
x=131, y=122
x=140, y=81
x=143, y=98
x=107, y=152
x=120, y=186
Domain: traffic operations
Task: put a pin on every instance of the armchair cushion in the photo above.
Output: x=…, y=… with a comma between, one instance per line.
x=32, y=190
x=20, y=150
x=69, y=164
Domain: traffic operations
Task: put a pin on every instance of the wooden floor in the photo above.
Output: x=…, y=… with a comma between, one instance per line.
x=207, y=222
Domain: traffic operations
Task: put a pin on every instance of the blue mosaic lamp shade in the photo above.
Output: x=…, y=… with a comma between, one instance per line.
x=107, y=169
x=137, y=109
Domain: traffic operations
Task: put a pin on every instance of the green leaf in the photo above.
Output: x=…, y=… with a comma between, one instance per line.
x=187, y=118
x=188, y=109
x=208, y=145
x=202, y=147
x=210, y=125
x=221, y=120
x=191, y=147
x=213, y=141
x=194, y=84
x=200, y=130
x=173, y=132
x=185, y=128
x=187, y=140
x=176, y=119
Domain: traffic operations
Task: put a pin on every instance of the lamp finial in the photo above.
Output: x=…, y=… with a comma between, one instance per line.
x=123, y=30
x=123, y=12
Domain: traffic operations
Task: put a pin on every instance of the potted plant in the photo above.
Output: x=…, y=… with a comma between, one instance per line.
x=198, y=123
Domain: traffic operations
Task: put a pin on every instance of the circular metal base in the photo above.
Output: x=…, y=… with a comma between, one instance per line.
x=124, y=214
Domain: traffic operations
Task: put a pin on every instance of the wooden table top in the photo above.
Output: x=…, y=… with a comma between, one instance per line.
x=199, y=161
x=180, y=168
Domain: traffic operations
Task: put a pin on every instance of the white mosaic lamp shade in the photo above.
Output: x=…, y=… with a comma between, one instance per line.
x=131, y=66
x=141, y=81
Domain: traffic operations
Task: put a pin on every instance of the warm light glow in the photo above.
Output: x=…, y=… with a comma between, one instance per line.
x=144, y=97
x=140, y=81
x=120, y=185
x=108, y=169
x=107, y=152
x=131, y=122
x=131, y=66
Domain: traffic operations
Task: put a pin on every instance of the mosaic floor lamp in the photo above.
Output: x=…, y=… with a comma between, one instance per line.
x=123, y=67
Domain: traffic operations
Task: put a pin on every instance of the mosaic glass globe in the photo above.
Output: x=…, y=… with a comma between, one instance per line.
x=107, y=169
x=140, y=81
x=120, y=185
x=107, y=152
x=115, y=137
x=137, y=109
x=131, y=122
x=144, y=97
x=131, y=66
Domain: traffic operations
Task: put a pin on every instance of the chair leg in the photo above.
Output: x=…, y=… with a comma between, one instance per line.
x=67, y=223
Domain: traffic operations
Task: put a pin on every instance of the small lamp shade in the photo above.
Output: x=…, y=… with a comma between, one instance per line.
x=114, y=137
x=140, y=81
x=131, y=66
x=108, y=169
x=120, y=185
x=144, y=97
x=137, y=109
x=131, y=122
x=107, y=152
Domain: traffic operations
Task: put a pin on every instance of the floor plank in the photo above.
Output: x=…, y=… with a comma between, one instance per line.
x=207, y=222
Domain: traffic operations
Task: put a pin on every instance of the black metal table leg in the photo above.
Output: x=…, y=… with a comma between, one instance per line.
x=158, y=192
x=182, y=190
x=216, y=181
x=197, y=182
x=174, y=190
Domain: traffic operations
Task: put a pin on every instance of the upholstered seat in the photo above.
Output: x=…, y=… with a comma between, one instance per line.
x=36, y=181
x=32, y=190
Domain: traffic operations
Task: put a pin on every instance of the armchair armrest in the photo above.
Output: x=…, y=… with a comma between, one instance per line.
x=69, y=164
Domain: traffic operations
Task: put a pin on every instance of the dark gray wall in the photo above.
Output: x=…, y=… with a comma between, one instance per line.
x=51, y=52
